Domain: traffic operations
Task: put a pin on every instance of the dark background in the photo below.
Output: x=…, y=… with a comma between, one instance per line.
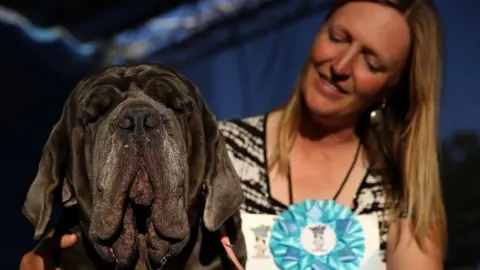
x=244, y=59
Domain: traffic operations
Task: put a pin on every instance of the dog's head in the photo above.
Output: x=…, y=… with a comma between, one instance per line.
x=139, y=152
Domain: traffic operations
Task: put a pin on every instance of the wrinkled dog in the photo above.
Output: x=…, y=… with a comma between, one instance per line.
x=143, y=175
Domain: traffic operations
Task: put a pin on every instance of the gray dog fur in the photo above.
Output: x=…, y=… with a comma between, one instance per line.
x=131, y=137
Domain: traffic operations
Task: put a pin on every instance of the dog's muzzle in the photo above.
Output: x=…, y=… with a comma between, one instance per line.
x=140, y=191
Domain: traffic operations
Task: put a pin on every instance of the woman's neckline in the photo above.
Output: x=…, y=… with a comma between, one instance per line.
x=276, y=202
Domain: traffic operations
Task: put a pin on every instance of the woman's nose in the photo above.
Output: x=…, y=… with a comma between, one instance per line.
x=342, y=66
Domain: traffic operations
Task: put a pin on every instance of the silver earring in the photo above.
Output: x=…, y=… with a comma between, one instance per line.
x=376, y=115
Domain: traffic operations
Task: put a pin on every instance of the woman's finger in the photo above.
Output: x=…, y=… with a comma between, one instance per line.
x=68, y=240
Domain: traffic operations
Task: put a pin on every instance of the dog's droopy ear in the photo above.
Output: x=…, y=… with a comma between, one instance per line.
x=222, y=183
x=222, y=187
x=38, y=204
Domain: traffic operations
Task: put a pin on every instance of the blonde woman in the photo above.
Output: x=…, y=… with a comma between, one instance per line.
x=360, y=128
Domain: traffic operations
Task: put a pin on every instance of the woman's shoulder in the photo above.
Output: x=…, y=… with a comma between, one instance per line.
x=247, y=128
x=245, y=141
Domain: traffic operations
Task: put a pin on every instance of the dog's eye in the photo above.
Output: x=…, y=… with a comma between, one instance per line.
x=169, y=94
x=183, y=106
x=97, y=103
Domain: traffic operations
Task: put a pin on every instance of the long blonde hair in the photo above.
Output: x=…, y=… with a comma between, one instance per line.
x=403, y=149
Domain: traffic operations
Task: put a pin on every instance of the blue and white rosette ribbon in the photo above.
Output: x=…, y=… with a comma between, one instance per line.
x=295, y=246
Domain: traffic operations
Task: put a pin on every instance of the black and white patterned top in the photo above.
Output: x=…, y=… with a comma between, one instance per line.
x=245, y=139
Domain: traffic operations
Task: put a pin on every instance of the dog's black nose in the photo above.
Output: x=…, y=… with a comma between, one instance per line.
x=138, y=120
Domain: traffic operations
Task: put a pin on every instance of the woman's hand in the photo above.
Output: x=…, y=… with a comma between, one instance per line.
x=43, y=256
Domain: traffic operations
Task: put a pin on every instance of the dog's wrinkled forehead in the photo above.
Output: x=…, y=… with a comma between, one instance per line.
x=103, y=90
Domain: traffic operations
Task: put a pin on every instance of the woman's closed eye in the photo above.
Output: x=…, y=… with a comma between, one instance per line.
x=336, y=37
x=372, y=64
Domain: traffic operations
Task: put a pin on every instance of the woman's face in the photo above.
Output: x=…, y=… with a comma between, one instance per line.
x=356, y=56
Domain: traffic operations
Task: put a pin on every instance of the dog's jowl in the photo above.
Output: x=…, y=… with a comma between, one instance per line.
x=143, y=175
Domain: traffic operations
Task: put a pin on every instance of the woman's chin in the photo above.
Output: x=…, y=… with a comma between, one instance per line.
x=319, y=109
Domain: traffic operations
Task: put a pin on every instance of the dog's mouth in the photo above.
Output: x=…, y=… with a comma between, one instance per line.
x=141, y=217
x=140, y=199
x=123, y=255
x=147, y=227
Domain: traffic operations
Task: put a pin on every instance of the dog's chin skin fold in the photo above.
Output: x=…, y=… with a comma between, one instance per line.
x=125, y=248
